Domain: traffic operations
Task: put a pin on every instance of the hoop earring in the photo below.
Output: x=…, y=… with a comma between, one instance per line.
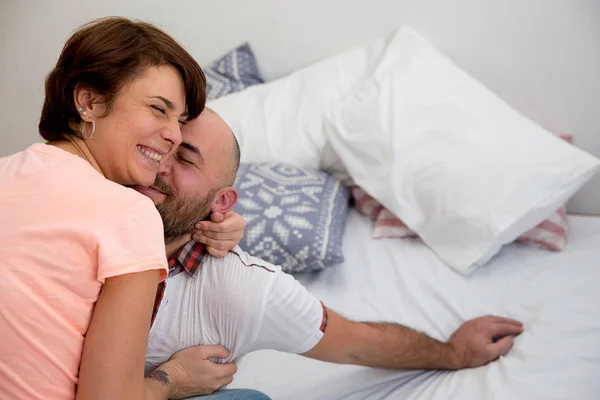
x=82, y=130
x=93, y=130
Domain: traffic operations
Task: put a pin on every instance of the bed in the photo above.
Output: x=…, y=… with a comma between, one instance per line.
x=554, y=294
x=465, y=171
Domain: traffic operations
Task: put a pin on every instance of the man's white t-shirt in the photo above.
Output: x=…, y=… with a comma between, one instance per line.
x=240, y=302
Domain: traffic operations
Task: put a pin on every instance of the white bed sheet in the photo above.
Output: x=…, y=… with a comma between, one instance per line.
x=554, y=294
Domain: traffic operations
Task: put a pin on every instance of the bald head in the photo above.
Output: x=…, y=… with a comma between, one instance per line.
x=215, y=140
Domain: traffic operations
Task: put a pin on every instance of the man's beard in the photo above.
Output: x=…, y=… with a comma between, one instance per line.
x=179, y=215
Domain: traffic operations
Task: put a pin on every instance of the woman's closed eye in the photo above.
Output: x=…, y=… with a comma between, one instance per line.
x=160, y=109
x=164, y=112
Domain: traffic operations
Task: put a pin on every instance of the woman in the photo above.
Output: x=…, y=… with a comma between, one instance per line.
x=73, y=238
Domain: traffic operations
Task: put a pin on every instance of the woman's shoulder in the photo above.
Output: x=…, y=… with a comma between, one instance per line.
x=42, y=160
x=71, y=181
x=117, y=199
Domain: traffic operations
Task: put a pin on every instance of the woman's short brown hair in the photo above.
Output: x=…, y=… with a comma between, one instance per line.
x=104, y=55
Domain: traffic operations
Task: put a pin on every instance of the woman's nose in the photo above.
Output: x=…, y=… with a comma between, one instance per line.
x=172, y=134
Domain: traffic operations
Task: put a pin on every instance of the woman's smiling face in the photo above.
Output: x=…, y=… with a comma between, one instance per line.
x=142, y=126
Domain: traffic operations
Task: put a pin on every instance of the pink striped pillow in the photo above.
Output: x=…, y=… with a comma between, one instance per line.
x=550, y=233
x=386, y=224
x=365, y=203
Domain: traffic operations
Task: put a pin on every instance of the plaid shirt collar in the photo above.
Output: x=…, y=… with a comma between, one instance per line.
x=188, y=259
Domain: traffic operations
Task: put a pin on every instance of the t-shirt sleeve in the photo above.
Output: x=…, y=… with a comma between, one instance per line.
x=131, y=241
x=292, y=318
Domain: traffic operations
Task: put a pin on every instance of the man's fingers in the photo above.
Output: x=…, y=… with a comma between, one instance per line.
x=220, y=379
x=214, y=351
x=227, y=380
x=220, y=382
x=501, y=347
x=502, y=329
x=228, y=369
x=502, y=320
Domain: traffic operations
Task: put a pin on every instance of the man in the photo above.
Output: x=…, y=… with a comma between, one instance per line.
x=247, y=304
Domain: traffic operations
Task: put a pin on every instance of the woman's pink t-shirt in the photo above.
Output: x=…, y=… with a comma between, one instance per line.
x=64, y=229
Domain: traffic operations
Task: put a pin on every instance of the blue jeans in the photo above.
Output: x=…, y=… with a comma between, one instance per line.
x=234, y=394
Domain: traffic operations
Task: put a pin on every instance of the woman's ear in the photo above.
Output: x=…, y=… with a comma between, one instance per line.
x=225, y=200
x=89, y=104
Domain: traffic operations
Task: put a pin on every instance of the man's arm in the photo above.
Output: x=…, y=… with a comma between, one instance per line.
x=293, y=320
x=393, y=346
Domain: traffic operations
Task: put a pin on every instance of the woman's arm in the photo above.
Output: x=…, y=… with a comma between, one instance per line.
x=112, y=365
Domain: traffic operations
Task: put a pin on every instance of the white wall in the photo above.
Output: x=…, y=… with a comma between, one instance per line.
x=541, y=56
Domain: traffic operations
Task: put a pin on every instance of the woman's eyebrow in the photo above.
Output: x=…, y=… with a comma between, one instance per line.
x=167, y=102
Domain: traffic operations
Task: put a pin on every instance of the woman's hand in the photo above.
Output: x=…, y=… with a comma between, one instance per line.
x=222, y=233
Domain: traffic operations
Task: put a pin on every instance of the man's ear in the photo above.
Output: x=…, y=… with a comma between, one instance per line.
x=224, y=200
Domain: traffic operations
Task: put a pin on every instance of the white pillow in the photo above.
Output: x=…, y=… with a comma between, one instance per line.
x=461, y=168
x=282, y=120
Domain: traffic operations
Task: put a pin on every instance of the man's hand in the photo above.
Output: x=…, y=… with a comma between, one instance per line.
x=189, y=372
x=394, y=346
x=483, y=339
x=221, y=234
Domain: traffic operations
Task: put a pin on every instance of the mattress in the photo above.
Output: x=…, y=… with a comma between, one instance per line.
x=554, y=294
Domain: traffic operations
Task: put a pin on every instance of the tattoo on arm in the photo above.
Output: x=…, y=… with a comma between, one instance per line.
x=160, y=376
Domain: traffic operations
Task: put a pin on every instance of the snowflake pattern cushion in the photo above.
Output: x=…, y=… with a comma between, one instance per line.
x=295, y=216
x=233, y=72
